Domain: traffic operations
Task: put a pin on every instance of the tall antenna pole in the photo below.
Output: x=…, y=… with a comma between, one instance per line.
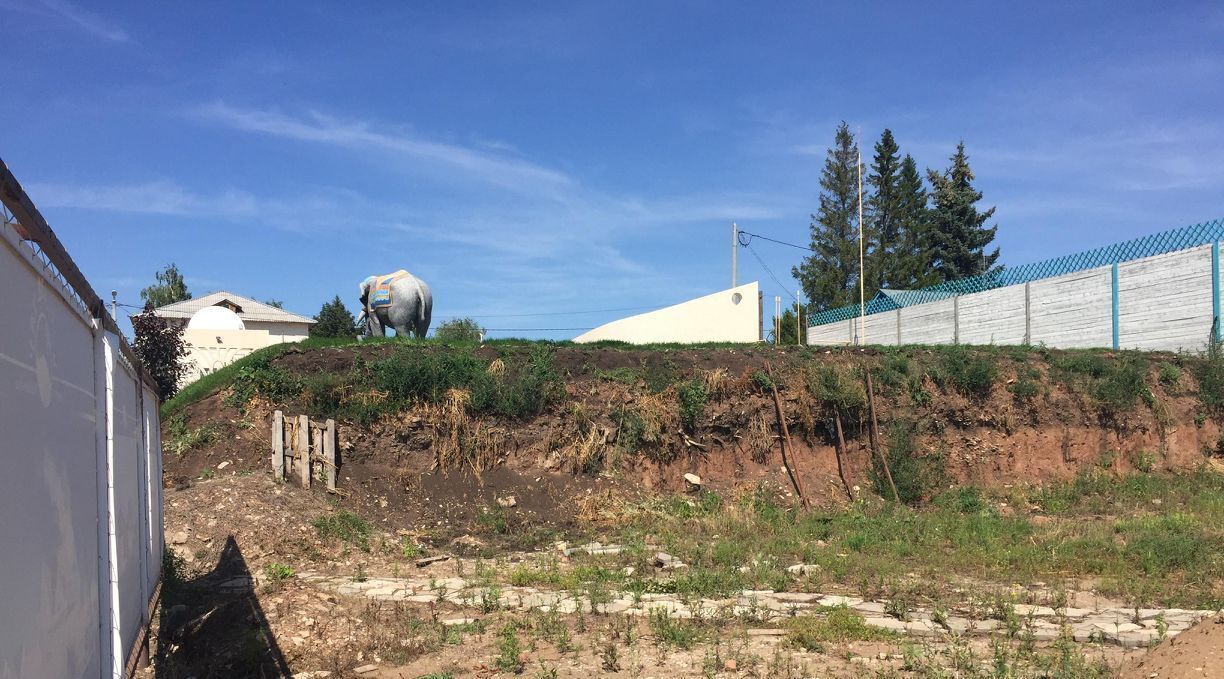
x=734, y=250
x=858, y=166
x=777, y=320
x=798, y=321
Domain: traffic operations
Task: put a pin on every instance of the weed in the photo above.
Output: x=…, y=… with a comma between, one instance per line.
x=345, y=526
x=962, y=500
x=277, y=572
x=969, y=372
x=762, y=380
x=609, y=658
x=509, y=650
x=1144, y=461
x=669, y=631
x=915, y=476
x=493, y=519
x=693, y=396
x=838, y=624
x=359, y=573
x=1170, y=374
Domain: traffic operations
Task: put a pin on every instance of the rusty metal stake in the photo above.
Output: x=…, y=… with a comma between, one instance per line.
x=841, y=446
x=786, y=440
x=875, y=436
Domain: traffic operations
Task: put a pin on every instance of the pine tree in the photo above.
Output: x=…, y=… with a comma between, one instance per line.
x=829, y=275
x=914, y=268
x=334, y=320
x=884, y=214
x=958, y=238
x=169, y=288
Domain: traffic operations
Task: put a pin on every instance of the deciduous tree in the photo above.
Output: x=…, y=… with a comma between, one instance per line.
x=168, y=289
x=161, y=349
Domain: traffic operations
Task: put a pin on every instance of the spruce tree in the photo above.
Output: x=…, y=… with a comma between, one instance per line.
x=958, y=236
x=334, y=320
x=829, y=275
x=914, y=268
x=884, y=215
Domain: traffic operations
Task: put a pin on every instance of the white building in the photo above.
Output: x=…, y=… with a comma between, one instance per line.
x=221, y=327
x=732, y=315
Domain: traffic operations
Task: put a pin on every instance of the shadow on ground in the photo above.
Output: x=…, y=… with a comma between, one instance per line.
x=213, y=626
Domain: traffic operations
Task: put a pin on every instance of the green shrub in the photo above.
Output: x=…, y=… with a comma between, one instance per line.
x=838, y=625
x=835, y=389
x=762, y=380
x=459, y=330
x=261, y=378
x=1169, y=374
x=693, y=398
x=345, y=526
x=277, y=572
x=970, y=372
x=1122, y=387
x=1210, y=375
x=916, y=476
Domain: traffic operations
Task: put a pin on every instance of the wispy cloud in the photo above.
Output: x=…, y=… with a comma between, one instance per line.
x=495, y=168
x=85, y=20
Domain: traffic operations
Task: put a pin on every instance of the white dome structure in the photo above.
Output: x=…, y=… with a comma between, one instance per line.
x=215, y=318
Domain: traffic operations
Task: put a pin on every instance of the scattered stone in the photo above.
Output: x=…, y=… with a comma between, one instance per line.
x=365, y=669
x=451, y=622
x=693, y=480
x=803, y=569
x=507, y=501
x=421, y=563
x=667, y=562
x=730, y=665
x=223, y=465
x=179, y=538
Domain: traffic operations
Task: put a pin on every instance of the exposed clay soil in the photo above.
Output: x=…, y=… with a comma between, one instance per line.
x=1197, y=653
x=389, y=469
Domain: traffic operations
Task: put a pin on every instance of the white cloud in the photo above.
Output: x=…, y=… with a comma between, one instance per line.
x=495, y=168
x=86, y=20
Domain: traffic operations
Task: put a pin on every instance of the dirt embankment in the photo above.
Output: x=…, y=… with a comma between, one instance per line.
x=601, y=423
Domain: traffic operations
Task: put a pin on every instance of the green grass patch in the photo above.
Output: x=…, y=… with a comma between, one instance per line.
x=836, y=625
x=345, y=526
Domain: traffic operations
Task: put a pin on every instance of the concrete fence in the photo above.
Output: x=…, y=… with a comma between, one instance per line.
x=1164, y=302
x=81, y=493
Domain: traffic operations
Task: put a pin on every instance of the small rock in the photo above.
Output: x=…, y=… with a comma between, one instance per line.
x=507, y=501
x=667, y=561
x=223, y=465
x=421, y=563
x=179, y=538
x=693, y=480
x=365, y=669
x=451, y=622
x=730, y=665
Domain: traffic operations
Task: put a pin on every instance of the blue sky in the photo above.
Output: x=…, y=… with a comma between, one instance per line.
x=529, y=158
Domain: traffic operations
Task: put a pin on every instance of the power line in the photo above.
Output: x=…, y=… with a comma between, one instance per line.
x=748, y=242
x=768, y=271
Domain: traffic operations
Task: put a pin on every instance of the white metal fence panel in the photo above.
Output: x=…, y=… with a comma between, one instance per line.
x=1164, y=302
x=49, y=541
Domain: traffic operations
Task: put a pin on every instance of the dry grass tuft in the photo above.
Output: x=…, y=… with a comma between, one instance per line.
x=718, y=382
x=459, y=439
x=759, y=438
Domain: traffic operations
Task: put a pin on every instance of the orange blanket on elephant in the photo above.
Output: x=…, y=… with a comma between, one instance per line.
x=380, y=295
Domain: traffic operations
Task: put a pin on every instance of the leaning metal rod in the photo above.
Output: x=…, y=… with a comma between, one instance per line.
x=786, y=440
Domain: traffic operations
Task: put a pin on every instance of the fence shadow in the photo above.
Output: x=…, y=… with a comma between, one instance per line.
x=213, y=626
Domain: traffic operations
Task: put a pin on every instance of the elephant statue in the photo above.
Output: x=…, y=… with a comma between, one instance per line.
x=399, y=300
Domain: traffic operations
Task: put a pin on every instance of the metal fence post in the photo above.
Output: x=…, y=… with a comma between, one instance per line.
x=1113, y=282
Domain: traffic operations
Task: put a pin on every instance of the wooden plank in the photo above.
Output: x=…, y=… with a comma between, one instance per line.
x=278, y=445
x=303, y=450
x=329, y=453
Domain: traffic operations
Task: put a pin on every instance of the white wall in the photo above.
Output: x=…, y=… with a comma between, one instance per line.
x=731, y=315
x=992, y=317
x=1164, y=303
x=205, y=354
x=80, y=496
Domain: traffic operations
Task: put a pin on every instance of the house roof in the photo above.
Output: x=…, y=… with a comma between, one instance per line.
x=246, y=308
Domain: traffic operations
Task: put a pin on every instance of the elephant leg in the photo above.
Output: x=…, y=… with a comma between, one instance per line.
x=375, y=325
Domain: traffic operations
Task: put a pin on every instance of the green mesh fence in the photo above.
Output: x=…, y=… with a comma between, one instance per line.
x=1155, y=244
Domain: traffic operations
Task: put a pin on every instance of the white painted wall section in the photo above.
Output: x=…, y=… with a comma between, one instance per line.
x=992, y=317
x=731, y=315
x=1164, y=302
x=1074, y=311
x=930, y=323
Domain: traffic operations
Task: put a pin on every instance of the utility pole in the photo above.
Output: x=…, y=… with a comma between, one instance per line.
x=858, y=166
x=115, y=305
x=798, y=321
x=777, y=320
x=734, y=250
